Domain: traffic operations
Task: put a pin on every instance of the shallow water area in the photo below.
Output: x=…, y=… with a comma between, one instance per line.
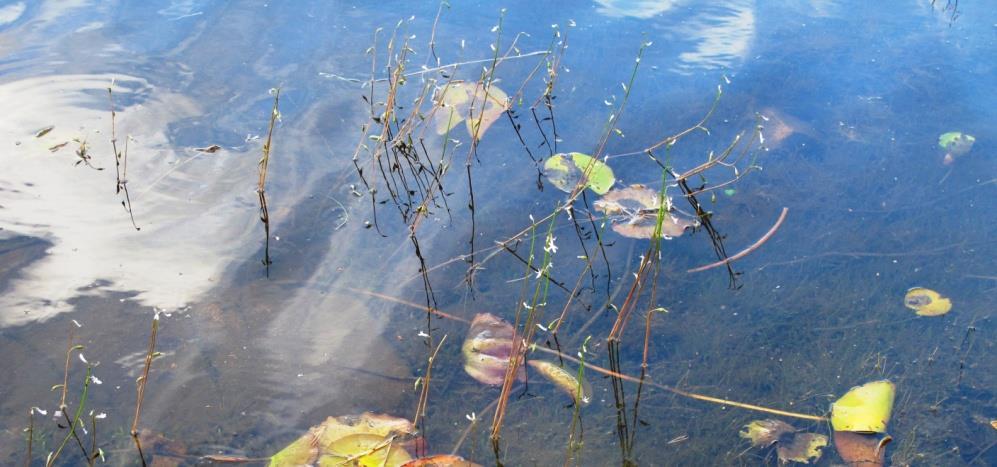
x=850, y=96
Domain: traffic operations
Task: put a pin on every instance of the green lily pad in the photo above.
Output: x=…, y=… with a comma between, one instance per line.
x=567, y=171
x=336, y=436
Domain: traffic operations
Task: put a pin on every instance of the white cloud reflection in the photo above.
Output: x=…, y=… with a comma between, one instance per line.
x=184, y=203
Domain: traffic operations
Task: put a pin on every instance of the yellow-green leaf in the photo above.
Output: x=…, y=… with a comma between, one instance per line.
x=927, y=302
x=564, y=379
x=318, y=445
x=864, y=409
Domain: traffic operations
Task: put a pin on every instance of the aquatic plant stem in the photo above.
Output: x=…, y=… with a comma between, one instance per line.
x=142, y=382
x=748, y=250
x=680, y=392
x=120, y=163
x=31, y=435
x=261, y=185
x=76, y=418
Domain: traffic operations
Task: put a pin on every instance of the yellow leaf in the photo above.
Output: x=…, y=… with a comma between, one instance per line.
x=927, y=302
x=864, y=409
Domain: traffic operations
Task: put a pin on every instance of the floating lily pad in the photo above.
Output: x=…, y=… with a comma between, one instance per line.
x=364, y=450
x=927, y=302
x=956, y=142
x=441, y=460
x=487, y=350
x=564, y=380
x=791, y=447
x=567, y=171
x=462, y=101
x=337, y=438
x=633, y=212
x=864, y=409
x=861, y=449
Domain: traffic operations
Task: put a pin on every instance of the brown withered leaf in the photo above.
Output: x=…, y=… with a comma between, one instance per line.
x=862, y=449
x=634, y=210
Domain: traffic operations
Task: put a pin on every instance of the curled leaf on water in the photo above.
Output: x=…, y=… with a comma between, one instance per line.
x=927, y=302
x=487, y=349
x=791, y=446
x=564, y=380
x=460, y=101
x=441, y=460
x=864, y=409
x=567, y=171
x=372, y=439
x=861, y=449
x=634, y=210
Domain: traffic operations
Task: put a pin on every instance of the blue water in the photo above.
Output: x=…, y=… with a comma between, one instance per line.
x=854, y=97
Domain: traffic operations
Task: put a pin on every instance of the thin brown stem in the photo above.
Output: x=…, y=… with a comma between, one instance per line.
x=143, y=382
x=748, y=250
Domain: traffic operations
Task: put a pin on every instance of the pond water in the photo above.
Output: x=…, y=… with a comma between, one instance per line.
x=852, y=97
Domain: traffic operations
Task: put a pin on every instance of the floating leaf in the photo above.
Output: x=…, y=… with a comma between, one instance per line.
x=566, y=171
x=366, y=450
x=861, y=449
x=792, y=446
x=955, y=141
x=487, y=350
x=320, y=443
x=955, y=144
x=459, y=101
x=634, y=213
x=564, y=379
x=927, y=302
x=864, y=409
x=764, y=433
x=441, y=460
